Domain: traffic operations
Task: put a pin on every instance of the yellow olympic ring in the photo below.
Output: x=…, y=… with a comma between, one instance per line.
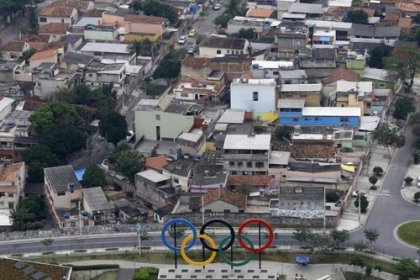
x=190, y=261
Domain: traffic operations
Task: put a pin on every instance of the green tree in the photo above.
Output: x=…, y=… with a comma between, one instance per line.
x=233, y=8
x=377, y=55
x=283, y=132
x=408, y=180
x=364, y=203
x=339, y=236
x=403, y=65
x=144, y=48
x=332, y=196
x=35, y=205
x=222, y=20
x=360, y=246
x=406, y=269
x=28, y=212
x=416, y=18
x=113, y=127
x=417, y=197
x=244, y=187
x=371, y=234
x=403, y=106
x=321, y=241
x=93, y=177
x=33, y=21
x=302, y=234
x=47, y=242
x=378, y=171
x=20, y=216
x=248, y=33
x=373, y=180
x=357, y=262
x=27, y=54
x=136, y=5
x=169, y=68
x=388, y=136
x=126, y=161
x=356, y=17
x=159, y=9
x=38, y=157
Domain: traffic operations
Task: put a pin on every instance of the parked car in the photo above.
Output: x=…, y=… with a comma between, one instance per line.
x=192, y=50
x=217, y=6
x=182, y=40
x=418, y=181
x=354, y=193
x=192, y=33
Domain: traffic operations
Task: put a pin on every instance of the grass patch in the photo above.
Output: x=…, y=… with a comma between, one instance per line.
x=149, y=273
x=357, y=276
x=410, y=233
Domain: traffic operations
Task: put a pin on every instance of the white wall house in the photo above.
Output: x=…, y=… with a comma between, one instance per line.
x=256, y=95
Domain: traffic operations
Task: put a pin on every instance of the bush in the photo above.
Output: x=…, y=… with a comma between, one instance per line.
x=378, y=171
x=145, y=273
x=95, y=267
x=417, y=197
x=373, y=188
x=408, y=180
x=346, y=150
x=373, y=180
x=332, y=196
x=416, y=157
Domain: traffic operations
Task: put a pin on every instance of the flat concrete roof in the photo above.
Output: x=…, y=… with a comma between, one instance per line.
x=153, y=176
x=247, y=142
x=5, y=218
x=232, y=116
x=279, y=157
x=290, y=103
x=332, y=111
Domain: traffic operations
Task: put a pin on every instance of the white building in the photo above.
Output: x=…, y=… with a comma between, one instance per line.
x=256, y=95
x=263, y=69
x=217, y=46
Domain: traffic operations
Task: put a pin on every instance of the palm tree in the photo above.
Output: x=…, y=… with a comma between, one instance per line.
x=233, y=8
x=135, y=47
x=19, y=216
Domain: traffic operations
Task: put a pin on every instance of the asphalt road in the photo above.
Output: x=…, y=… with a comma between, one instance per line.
x=388, y=212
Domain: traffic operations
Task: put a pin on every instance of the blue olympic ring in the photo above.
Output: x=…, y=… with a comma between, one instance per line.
x=180, y=221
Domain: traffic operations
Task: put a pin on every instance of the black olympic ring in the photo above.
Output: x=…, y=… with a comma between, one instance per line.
x=232, y=235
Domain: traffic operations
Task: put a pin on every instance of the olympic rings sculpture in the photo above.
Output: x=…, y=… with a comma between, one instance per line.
x=208, y=243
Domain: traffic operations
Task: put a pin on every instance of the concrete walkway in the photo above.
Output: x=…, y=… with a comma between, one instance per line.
x=408, y=192
x=310, y=272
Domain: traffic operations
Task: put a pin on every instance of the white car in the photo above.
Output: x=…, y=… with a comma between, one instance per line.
x=182, y=40
x=217, y=6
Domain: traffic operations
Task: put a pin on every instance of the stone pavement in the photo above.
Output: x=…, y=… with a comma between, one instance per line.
x=310, y=272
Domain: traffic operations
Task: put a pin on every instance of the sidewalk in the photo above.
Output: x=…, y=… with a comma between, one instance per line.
x=311, y=272
x=379, y=156
x=408, y=192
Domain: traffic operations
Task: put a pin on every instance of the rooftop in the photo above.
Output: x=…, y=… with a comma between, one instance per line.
x=27, y=270
x=144, y=19
x=54, y=28
x=341, y=74
x=255, y=180
x=61, y=177
x=265, y=64
x=9, y=173
x=214, y=41
x=43, y=54
x=279, y=157
x=369, y=123
x=13, y=46
x=304, y=8
x=260, y=13
x=96, y=199
x=5, y=221
x=56, y=11
x=301, y=87
x=77, y=58
x=157, y=163
x=345, y=86
x=237, y=199
x=336, y=25
x=290, y=103
x=105, y=48
x=376, y=74
x=247, y=142
x=181, y=167
x=257, y=82
x=153, y=176
x=332, y=111
x=232, y=116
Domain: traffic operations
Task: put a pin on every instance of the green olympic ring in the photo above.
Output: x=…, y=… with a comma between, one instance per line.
x=227, y=260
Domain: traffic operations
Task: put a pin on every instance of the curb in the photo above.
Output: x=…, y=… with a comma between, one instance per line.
x=395, y=234
x=406, y=199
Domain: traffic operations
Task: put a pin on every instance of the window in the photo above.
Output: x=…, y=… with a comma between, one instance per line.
x=11, y=194
x=231, y=163
x=157, y=117
x=249, y=164
x=255, y=96
x=73, y=224
x=42, y=19
x=382, y=85
x=228, y=51
x=276, y=73
x=176, y=181
x=259, y=164
x=344, y=119
x=295, y=119
x=90, y=75
x=62, y=20
x=240, y=164
x=61, y=193
x=11, y=205
x=219, y=52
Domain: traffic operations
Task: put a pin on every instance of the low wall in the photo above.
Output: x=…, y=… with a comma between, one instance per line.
x=237, y=218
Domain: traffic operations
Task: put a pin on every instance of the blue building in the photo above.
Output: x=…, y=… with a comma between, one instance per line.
x=293, y=112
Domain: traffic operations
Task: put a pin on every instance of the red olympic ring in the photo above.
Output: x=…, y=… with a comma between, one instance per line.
x=260, y=222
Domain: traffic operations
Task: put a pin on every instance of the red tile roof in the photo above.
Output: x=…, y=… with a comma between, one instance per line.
x=195, y=62
x=260, y=13
x=405, y=22
x=237, y=199
x=389, y=16
x=341, y=74
x=42, y=54
x=54, y=28
x=13, y=46
x=257, y=180
x=56, y=11
x=144, y=19
x=156, y=163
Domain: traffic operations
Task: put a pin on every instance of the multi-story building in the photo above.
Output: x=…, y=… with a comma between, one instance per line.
x=216, y=45
x=12, y=182
x=254, y=95
x=247, y=154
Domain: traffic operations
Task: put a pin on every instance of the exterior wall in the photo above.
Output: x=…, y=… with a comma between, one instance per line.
x=140, y=37
x=111, y=78
x=45, y=88
x=35, y=63
x=241, y=97
x=381, y=84
x=113, y=20
x=171, y=124
x=98, y=217
x=237, y=218
x=212, y=52
x=6, y=111
x=70, y=20
x=63, y=201
x=246, y=164
x=320, y=121
x=177, y=180
x=311, y=98
x=132, y=27
x=195, y=73
x=291, y=43
x=319, y=63
x=148, y=192
x=221, y=206
x=99, y=35
x=234, y=27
